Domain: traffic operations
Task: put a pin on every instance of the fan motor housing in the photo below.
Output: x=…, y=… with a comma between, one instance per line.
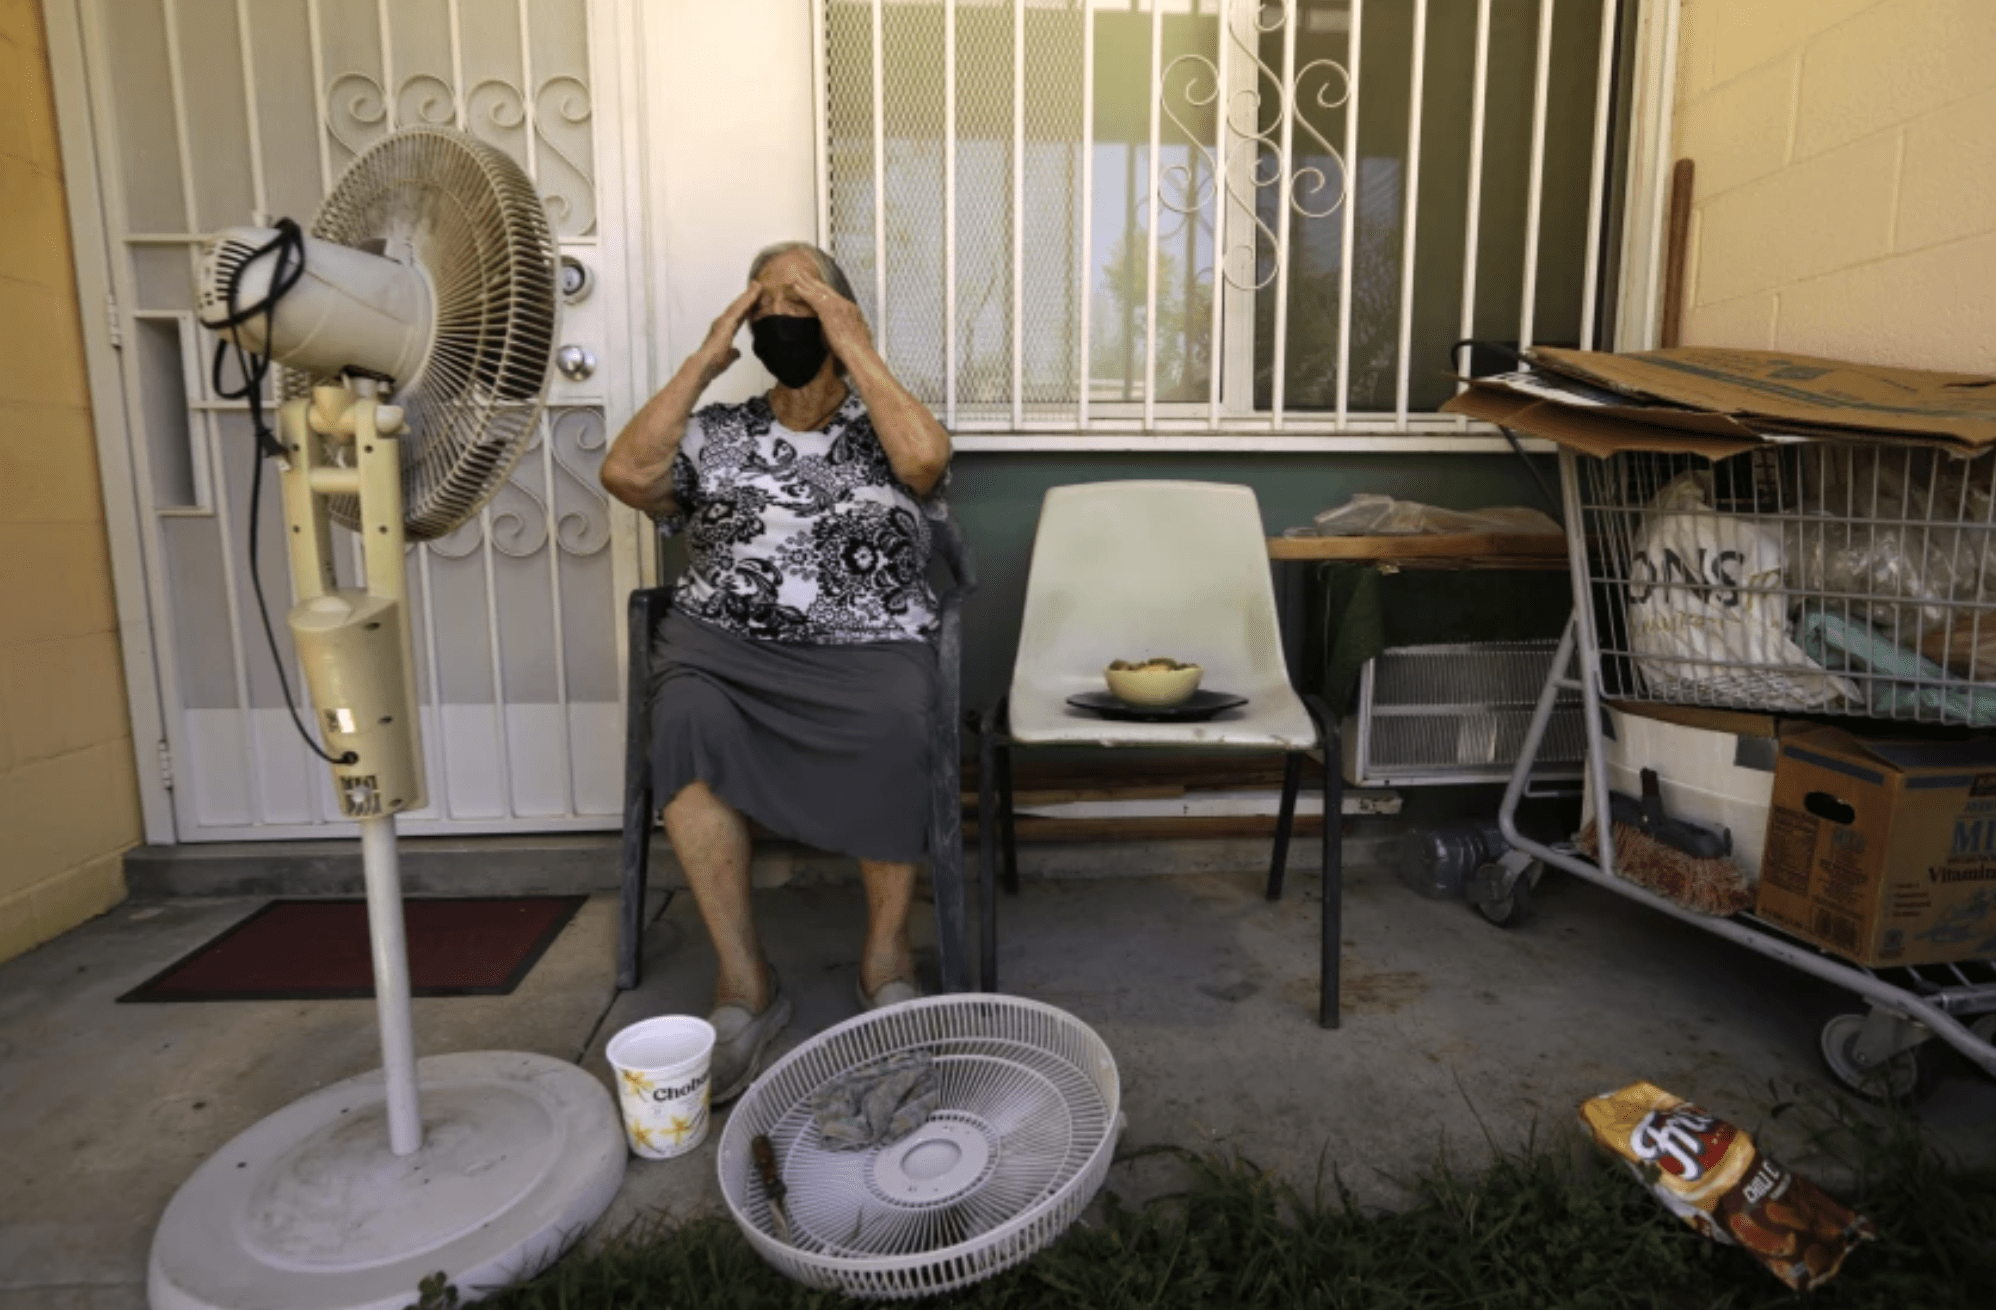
x=352, y=310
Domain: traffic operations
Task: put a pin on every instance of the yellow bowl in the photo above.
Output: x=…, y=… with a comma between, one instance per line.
x=1153, y=687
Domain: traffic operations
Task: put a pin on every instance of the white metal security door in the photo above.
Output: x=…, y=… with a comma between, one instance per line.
x=208, y=113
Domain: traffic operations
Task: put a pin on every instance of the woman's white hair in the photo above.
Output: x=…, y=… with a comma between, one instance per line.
x=828, y=268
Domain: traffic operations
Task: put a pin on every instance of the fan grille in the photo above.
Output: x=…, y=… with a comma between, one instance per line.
x=1033, y=1086
x=473, y=222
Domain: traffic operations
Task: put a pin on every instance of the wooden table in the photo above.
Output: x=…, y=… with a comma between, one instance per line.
x=1483, y=550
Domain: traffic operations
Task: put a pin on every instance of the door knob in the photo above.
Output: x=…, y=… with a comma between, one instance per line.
x=575, y=362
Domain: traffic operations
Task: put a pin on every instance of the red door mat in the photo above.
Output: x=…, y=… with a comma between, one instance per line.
x=318, y=950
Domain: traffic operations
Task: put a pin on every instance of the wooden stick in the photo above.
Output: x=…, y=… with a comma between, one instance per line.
x=1676, y=238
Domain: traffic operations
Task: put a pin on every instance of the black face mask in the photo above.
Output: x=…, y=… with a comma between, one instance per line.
x=790, y=346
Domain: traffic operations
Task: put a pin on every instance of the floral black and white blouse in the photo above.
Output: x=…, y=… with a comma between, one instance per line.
x=800, y=536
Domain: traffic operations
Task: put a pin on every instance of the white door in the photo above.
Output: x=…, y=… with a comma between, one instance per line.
x=208, y=113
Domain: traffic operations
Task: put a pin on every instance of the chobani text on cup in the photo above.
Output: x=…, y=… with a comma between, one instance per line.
x=678, y=1093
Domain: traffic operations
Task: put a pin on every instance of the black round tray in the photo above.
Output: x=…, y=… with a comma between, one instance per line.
x=1201, y=705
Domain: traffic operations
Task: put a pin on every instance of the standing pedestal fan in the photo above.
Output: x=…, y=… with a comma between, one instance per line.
x=428, y=278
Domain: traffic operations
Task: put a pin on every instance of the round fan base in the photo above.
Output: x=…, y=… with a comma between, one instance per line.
x=309, y=1208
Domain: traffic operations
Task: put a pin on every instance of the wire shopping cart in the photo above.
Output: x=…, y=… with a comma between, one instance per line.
x=1818, y=578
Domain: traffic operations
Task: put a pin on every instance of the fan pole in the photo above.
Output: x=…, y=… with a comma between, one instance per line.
x=356, y=650
x=382, y=869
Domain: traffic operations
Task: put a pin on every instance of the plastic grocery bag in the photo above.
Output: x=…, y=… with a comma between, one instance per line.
x=1909, y=533
x=1707, y=612
x=1368, y=515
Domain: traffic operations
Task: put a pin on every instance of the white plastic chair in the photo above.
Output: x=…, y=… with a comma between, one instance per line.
x=1135, y=569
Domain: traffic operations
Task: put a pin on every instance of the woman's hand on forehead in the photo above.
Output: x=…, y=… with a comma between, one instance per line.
x=789, y=292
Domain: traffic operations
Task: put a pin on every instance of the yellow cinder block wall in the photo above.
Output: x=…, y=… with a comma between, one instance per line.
x=1845, y=196
x=68, y=791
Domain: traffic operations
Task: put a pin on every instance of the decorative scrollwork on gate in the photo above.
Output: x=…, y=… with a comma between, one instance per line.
x=583, y=531
x=517, y=516
x=425, y=100
x=358, y=110
x=562, y=113
x=462, y=543
x=569, y=507
x=1185, y=190
x=495, y=110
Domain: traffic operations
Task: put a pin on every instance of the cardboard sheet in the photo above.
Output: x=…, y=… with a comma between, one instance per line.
x=1602, y=431
x=1763, y=389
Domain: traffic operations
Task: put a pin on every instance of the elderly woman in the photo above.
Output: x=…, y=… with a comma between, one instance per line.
x=795, y=686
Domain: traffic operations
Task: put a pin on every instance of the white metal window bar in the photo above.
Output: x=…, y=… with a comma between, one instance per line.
x=1236, y=126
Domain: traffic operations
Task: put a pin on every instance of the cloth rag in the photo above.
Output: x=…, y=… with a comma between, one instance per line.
x=1903, y=684
x=1354, y=628
x=877, y=1103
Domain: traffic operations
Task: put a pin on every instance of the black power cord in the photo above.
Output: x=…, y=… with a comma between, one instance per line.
x=1468, y=370
x=288, y=248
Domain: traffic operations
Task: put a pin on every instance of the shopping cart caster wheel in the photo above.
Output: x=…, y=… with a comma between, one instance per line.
x=1906, y=1078
x=1505, y=908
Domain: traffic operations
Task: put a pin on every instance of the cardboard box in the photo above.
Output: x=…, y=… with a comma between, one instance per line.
x=1883, y=852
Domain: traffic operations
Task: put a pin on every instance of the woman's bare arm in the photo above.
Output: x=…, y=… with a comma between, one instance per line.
x=638, y=469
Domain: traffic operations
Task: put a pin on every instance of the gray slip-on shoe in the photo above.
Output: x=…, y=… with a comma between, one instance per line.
x=741, y=1038
x=892, y=992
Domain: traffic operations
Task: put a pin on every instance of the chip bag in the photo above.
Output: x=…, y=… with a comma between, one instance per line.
x=1709, y=1174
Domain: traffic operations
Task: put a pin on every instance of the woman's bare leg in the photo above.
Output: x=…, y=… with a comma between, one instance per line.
x=890, y=889
x=711, y=839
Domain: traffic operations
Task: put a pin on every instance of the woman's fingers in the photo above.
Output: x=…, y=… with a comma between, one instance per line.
x=834, y=310
x=813, y=288
x=738, y=310
x=730, y=322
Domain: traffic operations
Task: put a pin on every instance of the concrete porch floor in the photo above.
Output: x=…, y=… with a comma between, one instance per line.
x=1205, y=992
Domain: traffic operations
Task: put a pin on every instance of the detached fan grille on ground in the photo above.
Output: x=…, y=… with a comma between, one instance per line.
x=1018, y=1146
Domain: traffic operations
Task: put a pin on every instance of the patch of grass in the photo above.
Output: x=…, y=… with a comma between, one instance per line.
x=1536, y=1228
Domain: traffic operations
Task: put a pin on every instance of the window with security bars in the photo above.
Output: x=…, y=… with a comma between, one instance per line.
x=1217, y=215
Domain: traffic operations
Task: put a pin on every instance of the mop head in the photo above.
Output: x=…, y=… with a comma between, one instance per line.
x=1712, y=885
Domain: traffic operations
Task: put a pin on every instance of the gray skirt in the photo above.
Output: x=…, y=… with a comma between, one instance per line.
x=826, y=745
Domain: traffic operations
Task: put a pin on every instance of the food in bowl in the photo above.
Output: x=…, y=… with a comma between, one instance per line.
x=1153, y=683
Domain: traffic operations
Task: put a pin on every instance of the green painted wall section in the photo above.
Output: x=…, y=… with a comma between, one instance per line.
x=997, y=499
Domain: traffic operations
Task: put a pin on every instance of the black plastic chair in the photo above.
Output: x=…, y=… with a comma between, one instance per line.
x=648, y=607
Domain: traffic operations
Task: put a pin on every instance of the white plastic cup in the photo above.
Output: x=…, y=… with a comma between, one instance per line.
x=661, y=1067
